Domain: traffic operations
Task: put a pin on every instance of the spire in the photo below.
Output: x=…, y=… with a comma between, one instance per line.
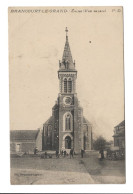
x=67, y=57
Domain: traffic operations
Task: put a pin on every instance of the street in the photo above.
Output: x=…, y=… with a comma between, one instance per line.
x=87, y=170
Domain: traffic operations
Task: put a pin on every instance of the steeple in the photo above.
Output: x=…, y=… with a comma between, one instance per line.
x=67, y=61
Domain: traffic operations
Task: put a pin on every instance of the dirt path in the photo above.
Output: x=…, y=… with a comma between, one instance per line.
x=50, y=171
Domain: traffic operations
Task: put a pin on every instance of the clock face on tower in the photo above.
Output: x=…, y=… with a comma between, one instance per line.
x=67, y=100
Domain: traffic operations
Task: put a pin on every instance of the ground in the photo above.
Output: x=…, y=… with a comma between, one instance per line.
x=77, y=170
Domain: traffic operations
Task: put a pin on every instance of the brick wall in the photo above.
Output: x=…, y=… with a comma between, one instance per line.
x=25, y=146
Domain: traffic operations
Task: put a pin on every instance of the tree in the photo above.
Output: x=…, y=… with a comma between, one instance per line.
x=99, y=143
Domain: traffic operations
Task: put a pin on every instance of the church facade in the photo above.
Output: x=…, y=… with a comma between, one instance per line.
x=67, y=128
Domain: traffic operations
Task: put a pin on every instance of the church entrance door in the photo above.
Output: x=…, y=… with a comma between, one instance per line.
x=68, y=142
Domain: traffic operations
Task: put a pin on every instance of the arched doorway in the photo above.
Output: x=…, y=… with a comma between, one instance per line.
x=67, y=142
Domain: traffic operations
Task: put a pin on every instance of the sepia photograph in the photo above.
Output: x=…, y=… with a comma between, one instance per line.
x=66, y=93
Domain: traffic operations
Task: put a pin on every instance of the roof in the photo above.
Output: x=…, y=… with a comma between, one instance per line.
x=86, y=121
x=24, y=134
x=55, y=106
x=50, y=120
x=67, y=56
x=119, y=130
x=67, y=61
x=121, y=124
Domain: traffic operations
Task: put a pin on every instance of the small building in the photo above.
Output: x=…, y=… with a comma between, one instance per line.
x=119, y=135
x=25, y=141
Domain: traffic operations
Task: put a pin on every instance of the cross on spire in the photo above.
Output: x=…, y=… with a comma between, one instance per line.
x=66, y=31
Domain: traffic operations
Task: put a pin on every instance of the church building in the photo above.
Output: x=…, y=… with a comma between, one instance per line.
x=67, y=128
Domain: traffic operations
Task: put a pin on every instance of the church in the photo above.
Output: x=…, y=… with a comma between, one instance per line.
x=67, y=128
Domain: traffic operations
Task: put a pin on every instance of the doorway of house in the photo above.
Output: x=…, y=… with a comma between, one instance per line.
x=17, y=147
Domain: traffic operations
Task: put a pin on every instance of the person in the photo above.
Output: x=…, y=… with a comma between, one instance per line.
x=65, y=153
x=45, y=154
x=102, y=154
x=57, y=154
x=71, y=153
x=82, y=153
x=62, y=152
x=35, y=150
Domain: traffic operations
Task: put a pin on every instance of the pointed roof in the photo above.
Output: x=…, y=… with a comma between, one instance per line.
x=50, y=120
x=67, y=63
x=121, y=124
x=85, y=121
x=56, y=106
x=67, y=57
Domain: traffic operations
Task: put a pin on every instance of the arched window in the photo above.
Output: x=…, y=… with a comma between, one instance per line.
x=65, y=85
x=49, y=137
x=68, y=122
x=49, y=130
x=69, y=86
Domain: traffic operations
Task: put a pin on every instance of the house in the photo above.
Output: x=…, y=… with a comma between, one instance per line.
x=25, y=141
x=119, y=135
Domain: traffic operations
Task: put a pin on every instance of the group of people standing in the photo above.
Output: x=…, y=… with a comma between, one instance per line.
x=64, y=153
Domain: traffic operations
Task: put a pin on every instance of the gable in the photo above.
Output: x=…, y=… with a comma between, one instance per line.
x=122, y=124
x=49, y=121
x=85, y=121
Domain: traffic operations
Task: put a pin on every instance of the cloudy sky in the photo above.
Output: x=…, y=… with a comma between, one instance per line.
x=36, y=43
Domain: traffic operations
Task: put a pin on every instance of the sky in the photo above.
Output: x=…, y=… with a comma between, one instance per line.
x=36, y=44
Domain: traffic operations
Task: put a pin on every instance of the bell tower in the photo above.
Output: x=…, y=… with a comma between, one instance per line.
x=67, y=99
x=67, y=73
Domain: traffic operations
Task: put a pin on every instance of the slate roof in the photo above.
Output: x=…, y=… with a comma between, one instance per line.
x=56, y=106
x=67, y=61
x=121, y=124
x=120, y=132
x=86, y=121
x=50, y=120
x=23, y=134
x=67, y=56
